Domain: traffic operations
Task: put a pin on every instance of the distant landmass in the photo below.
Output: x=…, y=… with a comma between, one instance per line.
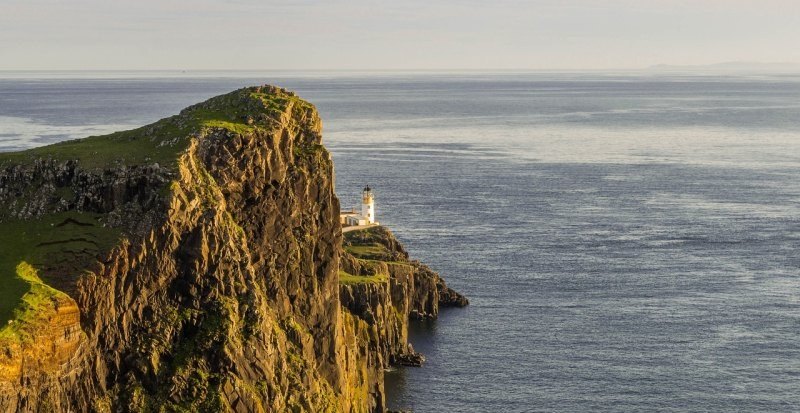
x=770, y=67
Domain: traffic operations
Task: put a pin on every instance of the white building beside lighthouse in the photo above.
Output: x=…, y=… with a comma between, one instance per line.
x=367, y=216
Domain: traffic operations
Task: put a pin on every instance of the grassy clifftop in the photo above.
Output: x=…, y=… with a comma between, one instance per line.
x=241, y=111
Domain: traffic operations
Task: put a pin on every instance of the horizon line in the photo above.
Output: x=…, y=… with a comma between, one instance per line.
x=721, y=65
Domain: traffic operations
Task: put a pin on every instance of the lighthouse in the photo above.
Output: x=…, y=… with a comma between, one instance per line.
x=352, y=220
x=368, y=205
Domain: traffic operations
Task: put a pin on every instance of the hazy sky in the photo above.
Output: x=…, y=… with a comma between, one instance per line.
x=399, y=34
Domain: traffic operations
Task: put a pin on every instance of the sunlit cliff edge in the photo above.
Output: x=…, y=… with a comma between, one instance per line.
x=198, y=264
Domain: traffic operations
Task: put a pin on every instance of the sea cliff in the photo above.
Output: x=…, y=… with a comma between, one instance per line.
x=198, y=264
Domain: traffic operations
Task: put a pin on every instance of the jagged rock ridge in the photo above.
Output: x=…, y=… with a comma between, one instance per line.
x=194, y=265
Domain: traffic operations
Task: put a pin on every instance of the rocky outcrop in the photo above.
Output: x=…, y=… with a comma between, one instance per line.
x=392, y=290
x=415, y=288
x=195, y=265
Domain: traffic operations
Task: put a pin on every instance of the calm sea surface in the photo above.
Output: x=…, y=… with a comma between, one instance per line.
x=628, y=242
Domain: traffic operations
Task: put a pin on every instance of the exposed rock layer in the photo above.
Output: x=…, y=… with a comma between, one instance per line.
x=222, y=292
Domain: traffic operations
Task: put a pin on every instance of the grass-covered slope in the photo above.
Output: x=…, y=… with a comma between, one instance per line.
x=60, y=244
x=370, y=251
x=374, y=244
x=346, y=278
x=241, y=111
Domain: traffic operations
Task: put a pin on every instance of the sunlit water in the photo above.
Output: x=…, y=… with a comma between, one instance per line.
x=628, y=242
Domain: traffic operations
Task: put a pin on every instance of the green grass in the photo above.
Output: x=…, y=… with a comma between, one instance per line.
x=133, y=147
x=375, y=252
x=349, y=279
x=54, y=250
x=38, y=298
x=404, y=263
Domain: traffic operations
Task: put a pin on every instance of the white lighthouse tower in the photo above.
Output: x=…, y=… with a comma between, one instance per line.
x=352, y=220
x=368, y=205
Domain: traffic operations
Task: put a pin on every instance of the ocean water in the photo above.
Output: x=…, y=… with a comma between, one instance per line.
x=629, y=242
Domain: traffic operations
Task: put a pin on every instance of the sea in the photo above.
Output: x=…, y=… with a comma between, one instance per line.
x=629, y=241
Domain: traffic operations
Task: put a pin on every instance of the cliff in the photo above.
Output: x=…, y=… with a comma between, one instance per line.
x=198, y=264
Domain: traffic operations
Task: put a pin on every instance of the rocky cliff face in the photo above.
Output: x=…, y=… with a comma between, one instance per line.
x=197, y=264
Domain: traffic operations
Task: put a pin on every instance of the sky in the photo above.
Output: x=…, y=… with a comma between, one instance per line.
x=392, y=35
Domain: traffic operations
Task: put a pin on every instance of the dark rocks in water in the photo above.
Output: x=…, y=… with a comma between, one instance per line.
x=450, y=298
x=410, y=358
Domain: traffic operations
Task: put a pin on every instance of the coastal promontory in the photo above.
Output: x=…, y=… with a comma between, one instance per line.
x=198, y=264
